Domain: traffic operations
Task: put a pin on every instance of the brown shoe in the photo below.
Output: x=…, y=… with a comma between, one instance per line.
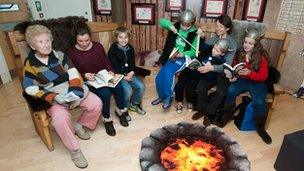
x=197, y=115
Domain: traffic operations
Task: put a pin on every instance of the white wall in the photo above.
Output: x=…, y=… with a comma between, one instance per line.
x=61, y=8
x=4, y=72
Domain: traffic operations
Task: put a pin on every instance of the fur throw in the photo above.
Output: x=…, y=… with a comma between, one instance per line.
x=62, y=30
x=239, y=29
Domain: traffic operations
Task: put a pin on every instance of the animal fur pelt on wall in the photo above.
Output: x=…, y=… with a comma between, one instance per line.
x=61, y=28
x=239, y=29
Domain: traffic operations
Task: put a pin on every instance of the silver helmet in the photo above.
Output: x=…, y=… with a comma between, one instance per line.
x=187, y=16
x=254, y=34
x=223, y=44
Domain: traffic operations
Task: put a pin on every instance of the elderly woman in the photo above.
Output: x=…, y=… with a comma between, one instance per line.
x=50, y=76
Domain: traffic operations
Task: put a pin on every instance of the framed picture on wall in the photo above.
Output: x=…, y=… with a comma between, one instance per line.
x=102, y=7
x=214, y=8
x=254, y=10
x=175, y=5
x=143, y=13
x=175, y=16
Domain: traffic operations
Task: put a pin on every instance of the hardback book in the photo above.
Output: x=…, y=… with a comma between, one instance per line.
x=104, y=79
x=232, y=72
x=69, y=97
x=194, y=63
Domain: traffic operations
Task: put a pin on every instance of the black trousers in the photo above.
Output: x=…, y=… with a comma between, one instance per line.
x=186, y=84
x=211, y=104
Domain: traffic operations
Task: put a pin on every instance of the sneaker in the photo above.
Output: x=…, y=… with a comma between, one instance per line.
x=157, y=101
x=127, y=116
x=190, y=107
x=298, y=93
x=82, y=134
x=179, y=108
x=167, y=102
x=137, y=108
x=122, y=119
x=197, y=115
x=110, y=130
x=79, y=159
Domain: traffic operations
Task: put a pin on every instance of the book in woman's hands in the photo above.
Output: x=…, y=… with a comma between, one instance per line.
x=232, y=72
x=104, y=79
x=70, y=97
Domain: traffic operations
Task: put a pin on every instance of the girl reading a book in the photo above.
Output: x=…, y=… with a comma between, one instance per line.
x=121, y=55
x=183, y=38
x=50, y=76
x=90, y=58
x=251, y=79
x=223, y=27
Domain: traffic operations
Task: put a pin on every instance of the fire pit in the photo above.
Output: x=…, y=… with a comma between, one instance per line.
x=191, y=146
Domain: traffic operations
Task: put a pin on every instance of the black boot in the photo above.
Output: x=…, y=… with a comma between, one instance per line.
x=227, y=116
x=260, y=123
x=264, y=135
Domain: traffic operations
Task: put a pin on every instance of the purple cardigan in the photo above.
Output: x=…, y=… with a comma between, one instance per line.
x=90, y=61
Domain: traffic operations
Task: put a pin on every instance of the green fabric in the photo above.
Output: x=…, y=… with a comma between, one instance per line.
x=180, y=43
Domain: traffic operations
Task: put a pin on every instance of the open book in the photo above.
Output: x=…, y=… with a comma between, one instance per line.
x=194, y=63
x=69, y=97
x=104, y=79
x=232, y=72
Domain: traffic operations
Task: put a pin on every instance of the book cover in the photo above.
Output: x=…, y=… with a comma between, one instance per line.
x=104, y=79
x=232, y=72
x=194, y=63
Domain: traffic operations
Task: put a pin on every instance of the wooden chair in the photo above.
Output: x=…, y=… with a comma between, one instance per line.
x=101, y=32
x=276, y=42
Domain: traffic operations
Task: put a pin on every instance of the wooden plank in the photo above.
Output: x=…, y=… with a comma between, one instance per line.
x=14, y=16
x=101, y=26
x=159, y=31
x=283, y=52
x=275, y=34
x=153, y=29
x=147, y=37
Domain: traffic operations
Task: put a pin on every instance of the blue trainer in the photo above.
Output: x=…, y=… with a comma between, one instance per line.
x=167, y=102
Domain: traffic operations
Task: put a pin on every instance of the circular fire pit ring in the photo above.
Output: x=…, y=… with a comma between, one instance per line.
x=152, y=146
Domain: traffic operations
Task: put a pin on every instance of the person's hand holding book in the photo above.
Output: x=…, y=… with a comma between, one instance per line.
x=244, y=71
x=206, y=68
x=89, y=76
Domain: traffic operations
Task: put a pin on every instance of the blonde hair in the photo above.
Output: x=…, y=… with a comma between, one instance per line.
x=35, y=30
x=120, y=30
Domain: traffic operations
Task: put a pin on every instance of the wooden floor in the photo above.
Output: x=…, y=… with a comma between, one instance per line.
x=22, y=149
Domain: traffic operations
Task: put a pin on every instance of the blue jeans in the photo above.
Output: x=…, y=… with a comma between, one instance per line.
x=165, y=77
x=104, y=93
x=258, y=92
x=133, y=91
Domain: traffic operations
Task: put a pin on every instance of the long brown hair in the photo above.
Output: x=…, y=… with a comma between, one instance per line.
x=256, y=56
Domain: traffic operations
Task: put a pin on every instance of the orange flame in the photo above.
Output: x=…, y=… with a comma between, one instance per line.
x=194, y=154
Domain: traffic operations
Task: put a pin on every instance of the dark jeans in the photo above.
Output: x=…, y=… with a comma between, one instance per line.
x=104, y=93
x=187, y=83
x=211, y=105
x=258, y=92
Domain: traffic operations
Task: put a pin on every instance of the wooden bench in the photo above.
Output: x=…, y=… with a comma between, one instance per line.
x=100, y=31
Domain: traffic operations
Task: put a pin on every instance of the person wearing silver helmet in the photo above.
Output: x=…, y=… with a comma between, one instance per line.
x=192, y=76
x=223, y=27
x=182, y=39
x=251, y=79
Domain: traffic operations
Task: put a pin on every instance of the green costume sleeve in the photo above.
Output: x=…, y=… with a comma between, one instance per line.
x=165, y=23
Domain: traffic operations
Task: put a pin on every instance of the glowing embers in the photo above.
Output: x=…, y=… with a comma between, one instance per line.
x=191, y=153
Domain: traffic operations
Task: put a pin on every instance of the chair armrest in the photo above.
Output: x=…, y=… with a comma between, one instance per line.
x=278, y=89
x=36, y=104
x=142, y=71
